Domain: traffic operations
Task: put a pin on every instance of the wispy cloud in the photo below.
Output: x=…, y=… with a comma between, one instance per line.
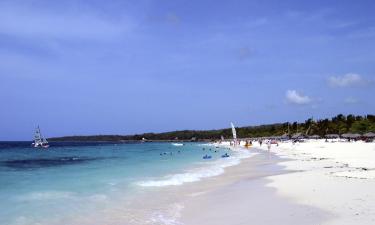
x=367, y=32
x=345, y=24
x=31, y=22
x=318, y=15
x=347, y=80
x=169, y=18
x=294, y=97
x=173, y=18
x=351, y=100
x=257, y=22
x=244, y=53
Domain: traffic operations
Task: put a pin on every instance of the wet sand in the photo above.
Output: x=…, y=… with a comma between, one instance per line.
x=244, y=198
x=239, y=196
x=306, y=183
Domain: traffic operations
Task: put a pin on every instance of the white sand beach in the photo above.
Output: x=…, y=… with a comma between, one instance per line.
x=337, y=177
x=306, y=183
x=244, y=196
x=314, y=182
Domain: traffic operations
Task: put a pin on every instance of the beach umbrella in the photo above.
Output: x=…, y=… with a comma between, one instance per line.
x=350, y=135
x=332, y=136
x=315, y=136
x=369, y=135
x=297, y=136
x=356, y=135
x=284, y=136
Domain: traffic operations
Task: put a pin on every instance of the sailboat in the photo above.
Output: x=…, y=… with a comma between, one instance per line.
x=234, y=134
x=39, y=140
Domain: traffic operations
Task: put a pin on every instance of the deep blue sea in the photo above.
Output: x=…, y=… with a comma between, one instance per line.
x=46, y=186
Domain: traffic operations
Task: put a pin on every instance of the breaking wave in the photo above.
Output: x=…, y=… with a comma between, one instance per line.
x=209, y=169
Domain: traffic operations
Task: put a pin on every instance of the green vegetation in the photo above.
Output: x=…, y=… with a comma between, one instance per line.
x=339, y=124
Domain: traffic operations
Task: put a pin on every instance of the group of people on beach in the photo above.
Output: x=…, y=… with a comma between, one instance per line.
x=249, y=143
x=268, y=143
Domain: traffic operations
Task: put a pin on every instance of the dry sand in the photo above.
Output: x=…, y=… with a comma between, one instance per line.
x=312, y=183
x=248, y=200
x=336, y=177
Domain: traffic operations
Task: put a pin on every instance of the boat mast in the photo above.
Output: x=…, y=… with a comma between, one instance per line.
x=37, y=136
x=234, y=134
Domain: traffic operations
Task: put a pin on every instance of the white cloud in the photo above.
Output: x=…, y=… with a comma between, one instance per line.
x=347, y=80
x=292, y=96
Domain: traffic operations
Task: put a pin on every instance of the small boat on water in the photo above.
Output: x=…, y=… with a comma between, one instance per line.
x=39, y=140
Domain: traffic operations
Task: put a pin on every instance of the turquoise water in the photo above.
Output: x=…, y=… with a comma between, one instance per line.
x=45, y=186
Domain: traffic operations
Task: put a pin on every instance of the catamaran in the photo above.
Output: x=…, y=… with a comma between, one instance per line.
x=39, y=140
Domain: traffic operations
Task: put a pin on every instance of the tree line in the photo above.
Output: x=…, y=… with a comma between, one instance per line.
x=339, y=124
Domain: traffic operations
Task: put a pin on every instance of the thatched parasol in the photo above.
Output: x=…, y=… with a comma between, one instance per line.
x=350, y=135
x=298, y=136
x=314, y=137
x=369, y=135
x=332, y=136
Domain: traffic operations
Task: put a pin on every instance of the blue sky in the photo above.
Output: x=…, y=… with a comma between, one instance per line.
x=124, y=67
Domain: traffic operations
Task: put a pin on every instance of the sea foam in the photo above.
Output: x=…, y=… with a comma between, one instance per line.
x=46, y=195
x=206, y=169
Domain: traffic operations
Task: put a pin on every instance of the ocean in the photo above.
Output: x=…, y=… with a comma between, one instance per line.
x=84, y=183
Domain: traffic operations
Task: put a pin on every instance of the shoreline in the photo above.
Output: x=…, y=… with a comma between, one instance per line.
x=240, y=195
x=314, y=182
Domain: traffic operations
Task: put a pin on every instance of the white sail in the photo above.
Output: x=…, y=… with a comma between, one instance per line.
x=39, y=140
x=234, y=132
x=37, y=136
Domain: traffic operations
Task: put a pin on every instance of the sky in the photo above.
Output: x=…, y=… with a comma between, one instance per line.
x=126, y=67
